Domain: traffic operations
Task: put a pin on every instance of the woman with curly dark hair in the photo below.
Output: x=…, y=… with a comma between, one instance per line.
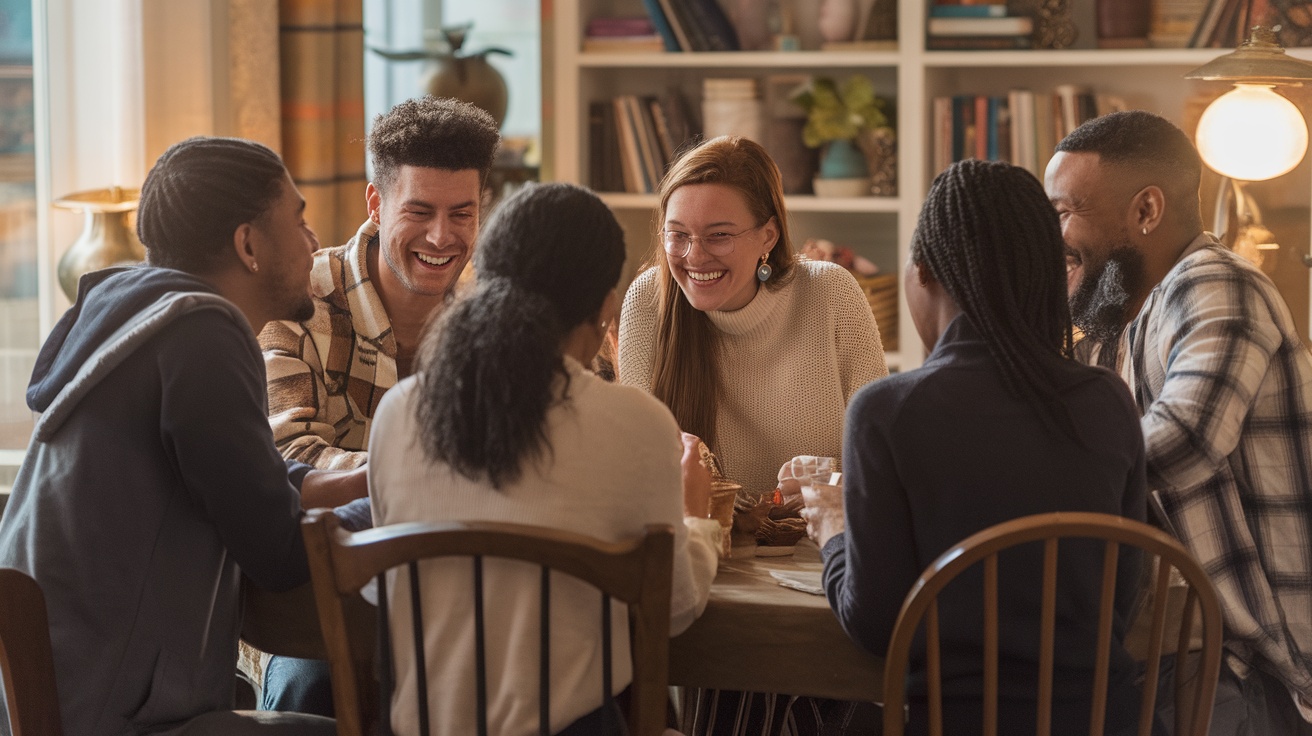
x=504, y=423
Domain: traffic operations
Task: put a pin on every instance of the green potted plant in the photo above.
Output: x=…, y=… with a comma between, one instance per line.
x=853, y=127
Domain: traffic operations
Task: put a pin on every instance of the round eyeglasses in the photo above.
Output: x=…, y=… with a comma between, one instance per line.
x=678, y=243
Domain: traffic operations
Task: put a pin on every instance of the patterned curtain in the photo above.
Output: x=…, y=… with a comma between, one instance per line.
x=322, y=62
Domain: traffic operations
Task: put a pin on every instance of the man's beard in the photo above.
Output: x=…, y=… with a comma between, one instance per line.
x=303, y=310
x=1100, y=303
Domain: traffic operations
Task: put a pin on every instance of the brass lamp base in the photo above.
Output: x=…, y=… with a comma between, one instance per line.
x=106, y=239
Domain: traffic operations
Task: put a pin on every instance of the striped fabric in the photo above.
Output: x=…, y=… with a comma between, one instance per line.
x=1225, y=386
x=327, y=375
x=323, y=125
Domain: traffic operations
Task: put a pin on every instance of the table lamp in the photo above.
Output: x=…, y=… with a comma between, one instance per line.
x=1251, y=133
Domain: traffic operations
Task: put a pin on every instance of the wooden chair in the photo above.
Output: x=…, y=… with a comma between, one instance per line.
x=636, y=573
x=26, y=660
x=1193, y=714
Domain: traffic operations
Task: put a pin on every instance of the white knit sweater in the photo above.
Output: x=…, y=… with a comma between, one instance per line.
x=613, y=467
x=790, y=360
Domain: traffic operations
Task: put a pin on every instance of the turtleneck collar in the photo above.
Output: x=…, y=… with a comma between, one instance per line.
x=758, y=311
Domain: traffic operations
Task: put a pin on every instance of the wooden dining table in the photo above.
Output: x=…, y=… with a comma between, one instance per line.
x=754, y=635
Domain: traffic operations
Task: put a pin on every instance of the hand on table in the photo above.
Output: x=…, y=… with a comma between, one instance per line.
x=823, y=512
x=696, y=479
x=331, y=488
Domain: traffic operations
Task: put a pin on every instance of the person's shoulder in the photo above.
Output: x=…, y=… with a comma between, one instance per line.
x=397, y=397
x=890, y=395
x=823, y=274
x=645, y=286
x=1214, y=263
x=630, y=400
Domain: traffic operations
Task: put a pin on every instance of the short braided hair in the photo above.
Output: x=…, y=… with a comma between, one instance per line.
x=988, y=234
x=434, y=133
x=198, y=193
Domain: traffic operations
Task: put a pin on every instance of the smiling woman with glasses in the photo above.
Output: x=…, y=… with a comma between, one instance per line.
x=753, y=350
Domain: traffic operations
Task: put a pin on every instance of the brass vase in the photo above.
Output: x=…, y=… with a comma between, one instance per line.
x=106, y=239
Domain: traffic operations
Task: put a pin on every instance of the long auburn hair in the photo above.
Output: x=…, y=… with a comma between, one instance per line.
x=989, y=236
x=685, y=373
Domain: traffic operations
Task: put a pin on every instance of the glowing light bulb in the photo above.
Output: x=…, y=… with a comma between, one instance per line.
x=1251, y=133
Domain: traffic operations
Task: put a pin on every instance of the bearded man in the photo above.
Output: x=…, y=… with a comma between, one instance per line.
x=1224, y=385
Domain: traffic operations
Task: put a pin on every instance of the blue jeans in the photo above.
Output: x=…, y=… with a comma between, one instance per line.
x=298, y=686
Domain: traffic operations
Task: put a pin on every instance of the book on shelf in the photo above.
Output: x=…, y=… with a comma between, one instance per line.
x=623, y=44
x=664, y=25
x=1017, y=25
x=977, y=43
x=992, y=10
x=632, y=139
x=708, y=28
x=1020, y=127
x=620, y=27
x=604, y=172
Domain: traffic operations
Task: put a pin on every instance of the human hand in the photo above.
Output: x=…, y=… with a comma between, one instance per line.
x=823, y=511
x=696, y=479
x=331, y=488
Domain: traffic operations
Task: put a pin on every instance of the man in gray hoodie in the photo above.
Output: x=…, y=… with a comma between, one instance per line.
x=151, y=483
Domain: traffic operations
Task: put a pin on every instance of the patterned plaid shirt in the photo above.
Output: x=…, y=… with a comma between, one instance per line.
x=1225, y=386
x=327, y=375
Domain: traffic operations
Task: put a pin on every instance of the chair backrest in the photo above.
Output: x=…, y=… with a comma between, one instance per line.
x=922, y=602
x=637, y=573
x=25, y=658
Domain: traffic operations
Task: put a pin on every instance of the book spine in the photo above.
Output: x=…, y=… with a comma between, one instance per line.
x=707, y=16
x=677, y=26
x=982, y=127
x=630, y=159
x=968, y=11
x=662, y=24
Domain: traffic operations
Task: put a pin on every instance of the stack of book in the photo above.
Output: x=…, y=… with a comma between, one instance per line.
x=1021, y=127
x=1223, y=23
x=692, y=25
x=622, y=35
x=633, y=139
x=972, y=25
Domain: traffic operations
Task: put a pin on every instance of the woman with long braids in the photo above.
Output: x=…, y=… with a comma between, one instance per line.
x=754, y=351
x=503, y=423
x=998, y=423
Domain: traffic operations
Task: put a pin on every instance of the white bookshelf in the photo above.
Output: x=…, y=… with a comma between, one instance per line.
x=878, y=227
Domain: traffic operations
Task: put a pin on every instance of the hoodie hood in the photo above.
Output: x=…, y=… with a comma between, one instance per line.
x=117, y=309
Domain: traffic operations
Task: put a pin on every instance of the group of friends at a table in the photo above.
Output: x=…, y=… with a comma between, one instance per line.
x=190, y=409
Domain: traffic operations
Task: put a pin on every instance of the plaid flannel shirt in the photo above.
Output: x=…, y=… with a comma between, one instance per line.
x=1225, y=387
x=327, y=375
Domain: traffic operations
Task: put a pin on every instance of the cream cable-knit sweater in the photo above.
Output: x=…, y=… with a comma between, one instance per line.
x=613, y=467
x=791, y=359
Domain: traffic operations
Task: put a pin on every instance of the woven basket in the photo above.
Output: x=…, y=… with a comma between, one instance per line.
x=881, y=293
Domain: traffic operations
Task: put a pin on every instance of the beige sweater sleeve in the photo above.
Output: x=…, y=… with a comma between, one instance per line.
x=638, y=331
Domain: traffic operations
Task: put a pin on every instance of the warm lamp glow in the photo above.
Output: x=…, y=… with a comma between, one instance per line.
x=1252, y=134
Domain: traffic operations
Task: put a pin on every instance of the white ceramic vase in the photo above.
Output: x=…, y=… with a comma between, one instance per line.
x=837, y=20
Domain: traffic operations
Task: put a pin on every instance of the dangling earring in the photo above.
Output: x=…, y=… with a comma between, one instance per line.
x=763, y=272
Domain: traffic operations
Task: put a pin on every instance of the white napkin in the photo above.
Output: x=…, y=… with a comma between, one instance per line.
x=807, y=582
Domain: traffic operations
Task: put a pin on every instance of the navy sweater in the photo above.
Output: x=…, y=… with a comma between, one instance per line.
x=939, y=453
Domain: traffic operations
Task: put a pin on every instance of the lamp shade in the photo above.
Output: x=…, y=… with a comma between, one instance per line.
x=1252, y=134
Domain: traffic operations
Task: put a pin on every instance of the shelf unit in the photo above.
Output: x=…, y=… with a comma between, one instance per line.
x=879, y=228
